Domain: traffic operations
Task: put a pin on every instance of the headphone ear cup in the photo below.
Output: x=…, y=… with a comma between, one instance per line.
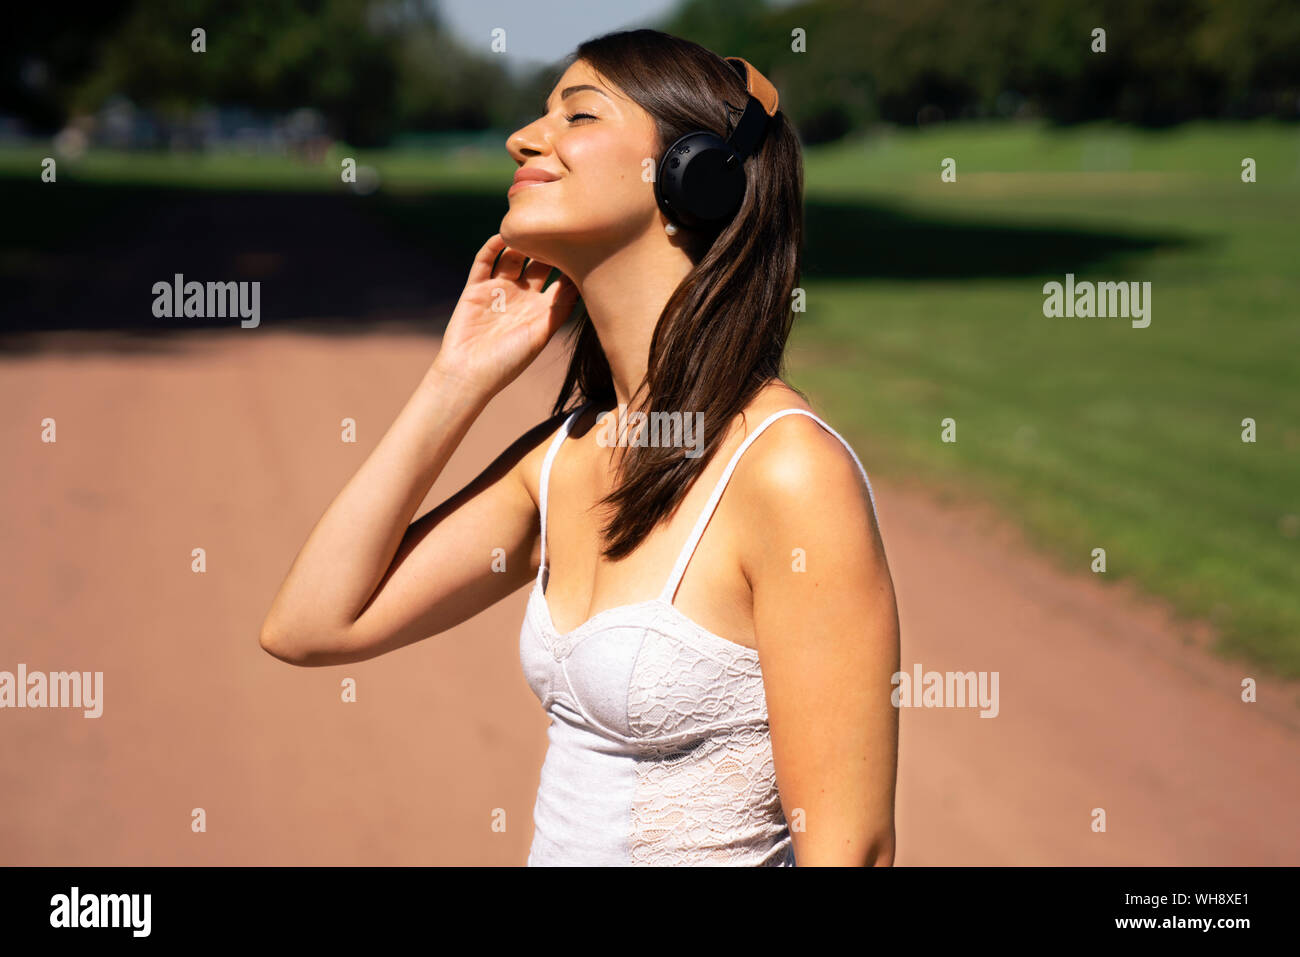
x=701, y=180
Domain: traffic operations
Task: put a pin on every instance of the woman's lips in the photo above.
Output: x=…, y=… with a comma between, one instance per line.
x=525, y=183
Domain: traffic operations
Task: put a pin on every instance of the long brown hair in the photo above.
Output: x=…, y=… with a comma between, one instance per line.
x=722, y=333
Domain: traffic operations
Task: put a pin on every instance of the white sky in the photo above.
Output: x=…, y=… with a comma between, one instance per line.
x=544, y=31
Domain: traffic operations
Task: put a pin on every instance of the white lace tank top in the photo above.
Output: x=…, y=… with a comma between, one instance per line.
x=658, y=748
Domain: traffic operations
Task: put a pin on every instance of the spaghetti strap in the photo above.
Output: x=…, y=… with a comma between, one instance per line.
x=683, y=559
x=556, y=442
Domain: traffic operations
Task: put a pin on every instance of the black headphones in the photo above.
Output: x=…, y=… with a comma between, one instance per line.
x=701, y=178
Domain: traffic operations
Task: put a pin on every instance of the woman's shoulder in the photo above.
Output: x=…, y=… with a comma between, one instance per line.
x=798, y=456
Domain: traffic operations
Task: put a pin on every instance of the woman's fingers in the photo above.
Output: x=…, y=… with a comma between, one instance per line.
x=510, y=265
x=536, y=272
x=495, y=258
x=485, y=258
x=564, y=292
x=561, y=294
x=499, y=260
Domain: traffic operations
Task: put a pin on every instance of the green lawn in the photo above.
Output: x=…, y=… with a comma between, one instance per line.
x=1091, y=432
x=401, y=170
x=925, y=302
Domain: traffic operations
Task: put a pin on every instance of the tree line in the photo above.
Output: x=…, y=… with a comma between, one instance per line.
x=376, y=68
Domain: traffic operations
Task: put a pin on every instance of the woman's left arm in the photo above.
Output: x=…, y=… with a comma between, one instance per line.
x=828, y=641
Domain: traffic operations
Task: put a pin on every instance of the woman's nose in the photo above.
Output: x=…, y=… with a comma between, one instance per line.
x=525, y=142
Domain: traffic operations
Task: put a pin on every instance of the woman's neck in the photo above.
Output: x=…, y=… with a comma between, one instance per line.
x=624, y=293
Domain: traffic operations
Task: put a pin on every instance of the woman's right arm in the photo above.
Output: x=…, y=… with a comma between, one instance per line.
x=368, y=580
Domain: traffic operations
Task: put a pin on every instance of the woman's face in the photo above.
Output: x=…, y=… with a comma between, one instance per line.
x=596, y=142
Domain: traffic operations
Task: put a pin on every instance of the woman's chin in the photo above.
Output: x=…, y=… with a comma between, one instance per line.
x=532, y=242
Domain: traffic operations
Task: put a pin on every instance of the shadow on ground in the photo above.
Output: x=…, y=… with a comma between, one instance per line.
x=85, y=257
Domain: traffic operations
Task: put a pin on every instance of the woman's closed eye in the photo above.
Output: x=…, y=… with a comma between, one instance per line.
x=577, y=116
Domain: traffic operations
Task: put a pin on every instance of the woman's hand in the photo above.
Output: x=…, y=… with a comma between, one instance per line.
x=503, y=319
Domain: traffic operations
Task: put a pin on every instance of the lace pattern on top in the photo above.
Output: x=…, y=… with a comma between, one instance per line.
x=693, y=720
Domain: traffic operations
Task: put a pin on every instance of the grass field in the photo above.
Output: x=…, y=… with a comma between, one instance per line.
x=1092, y=432
x=925, y=301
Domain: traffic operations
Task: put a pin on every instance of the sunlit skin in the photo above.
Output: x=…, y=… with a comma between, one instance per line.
x=599, y=223
x=827, y=636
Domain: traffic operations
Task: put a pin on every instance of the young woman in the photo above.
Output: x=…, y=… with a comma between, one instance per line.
x=717, y=667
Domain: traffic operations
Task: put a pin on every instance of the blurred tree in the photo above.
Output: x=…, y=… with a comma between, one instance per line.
x=906, y=61
x=43, y=58
x=273, y=55
x=446, y=86
x=1254, y=46
x=376, y=67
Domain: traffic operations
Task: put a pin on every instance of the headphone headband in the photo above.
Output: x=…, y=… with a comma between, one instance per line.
x=760, y=105
x=701, y=177
x=757, y=85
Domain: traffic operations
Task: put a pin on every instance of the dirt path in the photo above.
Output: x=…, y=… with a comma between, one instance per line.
x=231, y=443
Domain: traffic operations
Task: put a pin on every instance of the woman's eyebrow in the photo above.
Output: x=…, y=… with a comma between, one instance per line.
x=568, y=91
